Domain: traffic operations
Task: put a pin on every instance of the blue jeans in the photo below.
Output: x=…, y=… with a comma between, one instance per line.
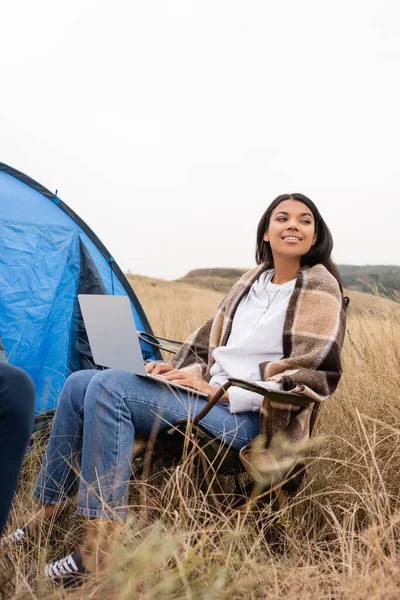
x=97, y=418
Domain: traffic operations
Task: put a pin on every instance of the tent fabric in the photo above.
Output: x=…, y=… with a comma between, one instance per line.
x=47, y=256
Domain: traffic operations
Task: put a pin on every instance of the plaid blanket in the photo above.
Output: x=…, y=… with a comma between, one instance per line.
x=313, y=335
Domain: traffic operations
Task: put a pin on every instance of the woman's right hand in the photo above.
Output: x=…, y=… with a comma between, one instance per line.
x=158, y=368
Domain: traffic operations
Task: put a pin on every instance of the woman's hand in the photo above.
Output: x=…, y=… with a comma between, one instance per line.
x=190, y=380
x=158, y=368
x=194, y=382
x=187, y=379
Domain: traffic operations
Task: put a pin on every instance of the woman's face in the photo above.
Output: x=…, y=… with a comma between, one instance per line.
x=291, y=231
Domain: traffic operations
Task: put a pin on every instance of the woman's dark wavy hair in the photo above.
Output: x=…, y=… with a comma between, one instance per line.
x=320, y=253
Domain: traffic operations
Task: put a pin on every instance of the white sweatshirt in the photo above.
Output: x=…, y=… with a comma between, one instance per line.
x=256, y=336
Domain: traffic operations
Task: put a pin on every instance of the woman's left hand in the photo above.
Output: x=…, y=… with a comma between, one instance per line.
x=189, y=380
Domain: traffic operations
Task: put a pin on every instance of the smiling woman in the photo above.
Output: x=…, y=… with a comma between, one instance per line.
x=282, y=326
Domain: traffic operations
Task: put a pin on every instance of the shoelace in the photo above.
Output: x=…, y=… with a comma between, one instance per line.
x=16, y=536
x=64, y=566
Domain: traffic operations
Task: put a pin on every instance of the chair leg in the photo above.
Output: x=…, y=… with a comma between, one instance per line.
x=216, y=492
x=286, y=521
x=281, y=498
x=241, y=494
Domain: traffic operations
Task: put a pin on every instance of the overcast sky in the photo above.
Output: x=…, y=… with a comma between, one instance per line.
x=170, y=125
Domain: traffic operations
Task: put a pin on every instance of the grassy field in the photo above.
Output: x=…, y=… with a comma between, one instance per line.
x=338, y=539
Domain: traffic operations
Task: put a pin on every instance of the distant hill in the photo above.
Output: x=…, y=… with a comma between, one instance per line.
x=380, y=279
x=383, y=280
x=219, y=280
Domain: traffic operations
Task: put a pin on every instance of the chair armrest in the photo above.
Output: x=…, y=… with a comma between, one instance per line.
x=160, y=343
x=274, y=395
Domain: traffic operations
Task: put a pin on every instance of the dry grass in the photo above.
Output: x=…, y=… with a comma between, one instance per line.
x=338, y=540
x=175, y=309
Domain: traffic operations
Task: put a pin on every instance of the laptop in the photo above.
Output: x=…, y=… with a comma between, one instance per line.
x=113, y=336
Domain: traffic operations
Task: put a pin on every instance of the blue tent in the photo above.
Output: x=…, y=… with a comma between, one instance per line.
x=47, y=256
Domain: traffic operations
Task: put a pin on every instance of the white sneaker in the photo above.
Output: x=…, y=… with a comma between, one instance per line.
x=68, y=572
x=15, y=538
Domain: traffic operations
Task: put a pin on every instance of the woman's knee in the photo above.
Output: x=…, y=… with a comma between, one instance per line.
x=74, y=390
x=109, y=390
x=109, y=387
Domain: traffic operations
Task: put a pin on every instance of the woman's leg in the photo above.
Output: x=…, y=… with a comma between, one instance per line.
x=119, y=405
x=17, y=401
x=58, y=474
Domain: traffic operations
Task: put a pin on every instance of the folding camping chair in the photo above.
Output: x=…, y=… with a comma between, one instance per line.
x=216, y=458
